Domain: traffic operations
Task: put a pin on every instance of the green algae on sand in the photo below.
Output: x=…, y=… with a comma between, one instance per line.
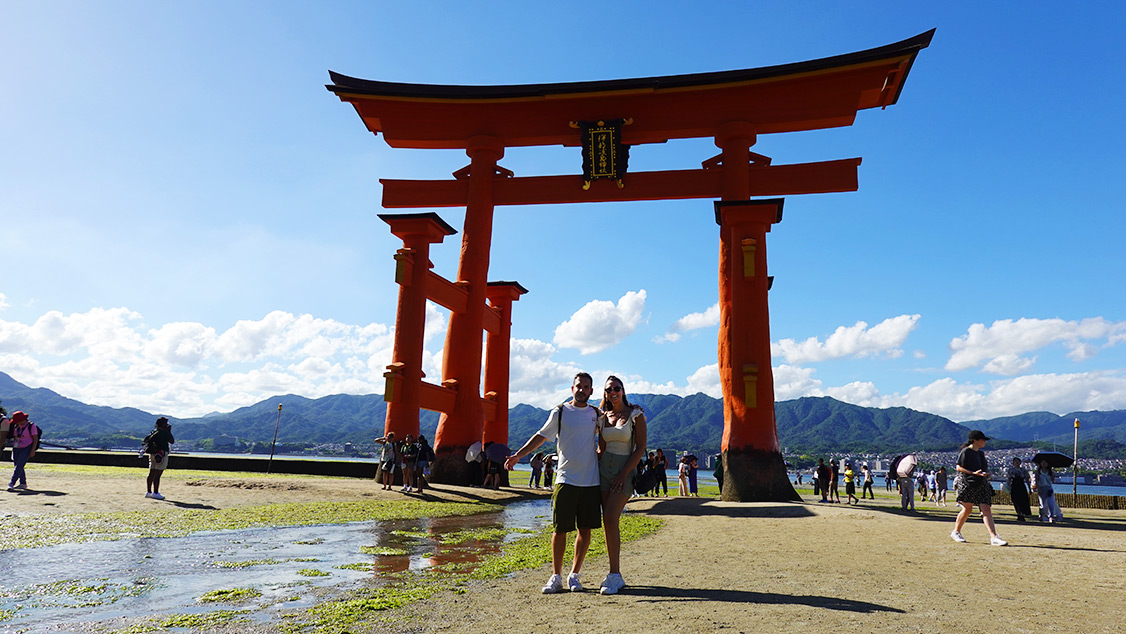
x=357, y=611
x=46, y=530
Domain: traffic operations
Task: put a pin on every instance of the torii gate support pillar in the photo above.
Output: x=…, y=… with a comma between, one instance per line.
x=412, y=272
x=754, y=469
x=497, y=362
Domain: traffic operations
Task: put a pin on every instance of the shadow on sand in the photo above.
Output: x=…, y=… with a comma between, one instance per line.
x=749, y=596
x=712, y=507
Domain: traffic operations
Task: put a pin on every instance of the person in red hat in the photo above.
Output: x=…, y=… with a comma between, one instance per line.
x=24, y=435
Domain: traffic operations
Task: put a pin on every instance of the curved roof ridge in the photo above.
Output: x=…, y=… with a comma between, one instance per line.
x=343, y=84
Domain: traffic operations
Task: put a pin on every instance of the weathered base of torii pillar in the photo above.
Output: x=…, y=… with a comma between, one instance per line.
x=752, y=475
x=450, y=467
x=753, y=467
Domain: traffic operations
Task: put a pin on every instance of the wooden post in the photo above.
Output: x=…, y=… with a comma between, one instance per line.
x=412, y=267
x=754, y=469
x=462, y=355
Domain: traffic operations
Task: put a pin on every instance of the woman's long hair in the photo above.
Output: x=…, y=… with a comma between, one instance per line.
x=607, y=405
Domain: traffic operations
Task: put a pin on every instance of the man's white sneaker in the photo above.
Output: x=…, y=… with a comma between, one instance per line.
x=997, y=541
x=573, y=582
x=157, y=496
x=149, y=494
x=554, y=585
x=612, y=583
x=956, y=536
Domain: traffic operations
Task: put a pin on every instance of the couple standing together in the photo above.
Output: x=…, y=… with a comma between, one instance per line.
x=598, y=450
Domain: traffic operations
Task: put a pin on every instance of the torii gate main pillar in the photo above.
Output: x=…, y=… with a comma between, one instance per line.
x=754, y=468
x=461, y=363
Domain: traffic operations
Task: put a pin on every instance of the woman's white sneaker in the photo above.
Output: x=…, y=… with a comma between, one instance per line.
x=554, y=585
x=997, y=541
x=612, y=583
x=956, y=536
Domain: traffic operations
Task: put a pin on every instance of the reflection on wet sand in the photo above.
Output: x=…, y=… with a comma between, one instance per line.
x=444, y=544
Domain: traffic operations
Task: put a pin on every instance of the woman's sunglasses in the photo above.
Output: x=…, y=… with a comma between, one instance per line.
x=613, y=388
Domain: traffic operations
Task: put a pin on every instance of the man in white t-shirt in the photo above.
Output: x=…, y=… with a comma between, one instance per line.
x=576, y=501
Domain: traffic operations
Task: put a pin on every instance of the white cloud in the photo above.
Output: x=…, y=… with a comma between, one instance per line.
x=706, y=380
x=689, y=322
x=182, y=344
x=1009, y=365
x=601, y=324
x=791, y=382
x=4, y=302
x=997, y=347
x=855, y=341
x=108, y=357
x=1057, y=393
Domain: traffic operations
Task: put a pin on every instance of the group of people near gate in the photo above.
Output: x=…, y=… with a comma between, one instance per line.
x=827, y=477
x=412, y=455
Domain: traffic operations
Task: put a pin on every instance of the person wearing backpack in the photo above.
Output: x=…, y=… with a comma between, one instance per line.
x=24, y=436
x=157, y=447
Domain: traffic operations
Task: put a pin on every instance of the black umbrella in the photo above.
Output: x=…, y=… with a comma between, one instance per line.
x=497, y=452
x=1056, y=460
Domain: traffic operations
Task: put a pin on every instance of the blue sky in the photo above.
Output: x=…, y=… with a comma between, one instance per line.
x=189, y=222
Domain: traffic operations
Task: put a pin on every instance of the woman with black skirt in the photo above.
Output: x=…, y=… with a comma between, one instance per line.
x=974, y=488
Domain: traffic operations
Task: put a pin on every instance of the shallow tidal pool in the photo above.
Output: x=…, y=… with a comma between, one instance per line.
x=252, y=574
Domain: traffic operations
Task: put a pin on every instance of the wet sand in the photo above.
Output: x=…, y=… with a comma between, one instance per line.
x=720, y=566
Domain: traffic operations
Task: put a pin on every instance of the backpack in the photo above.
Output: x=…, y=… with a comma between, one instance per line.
x=148, y=444
x=34, y=429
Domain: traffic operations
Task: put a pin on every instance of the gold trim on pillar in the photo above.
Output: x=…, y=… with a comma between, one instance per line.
x=750, y=384
x=749, y=247
x=394, y=380
x=404, y=266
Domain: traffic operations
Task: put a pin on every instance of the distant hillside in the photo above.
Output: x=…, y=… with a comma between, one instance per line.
x=1047, y=427
x=805, y=425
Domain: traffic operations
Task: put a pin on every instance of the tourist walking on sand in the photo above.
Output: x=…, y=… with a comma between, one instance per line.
x=24, y=435
x=693, y=470
x=548, y=471
x=823, y=474
x=1016, y=483
x=932, y=484
x=974, y=488
x=682, y=476
x=1043, y=486
x=868, y=477
x=906, y=483
x=622, y=446
x=576, y=499
x=941, y=479
x=537, y=469
x=834, y=478
x=422, y=465
x=408, y=451
x=388, y=458
x=850, y=484
x=661, y=464
x=159, y=448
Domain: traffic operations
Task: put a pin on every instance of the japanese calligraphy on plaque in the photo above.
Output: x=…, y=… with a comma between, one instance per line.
x=604, y=155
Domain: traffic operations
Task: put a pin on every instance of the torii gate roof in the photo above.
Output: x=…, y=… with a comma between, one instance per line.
x=815, y=94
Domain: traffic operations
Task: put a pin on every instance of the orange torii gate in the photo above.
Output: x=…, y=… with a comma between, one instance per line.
x=607, y=118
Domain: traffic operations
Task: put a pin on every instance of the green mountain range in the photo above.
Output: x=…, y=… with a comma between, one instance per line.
x=805, y=425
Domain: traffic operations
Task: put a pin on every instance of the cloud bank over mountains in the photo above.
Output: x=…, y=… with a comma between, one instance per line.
x=111, y=356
